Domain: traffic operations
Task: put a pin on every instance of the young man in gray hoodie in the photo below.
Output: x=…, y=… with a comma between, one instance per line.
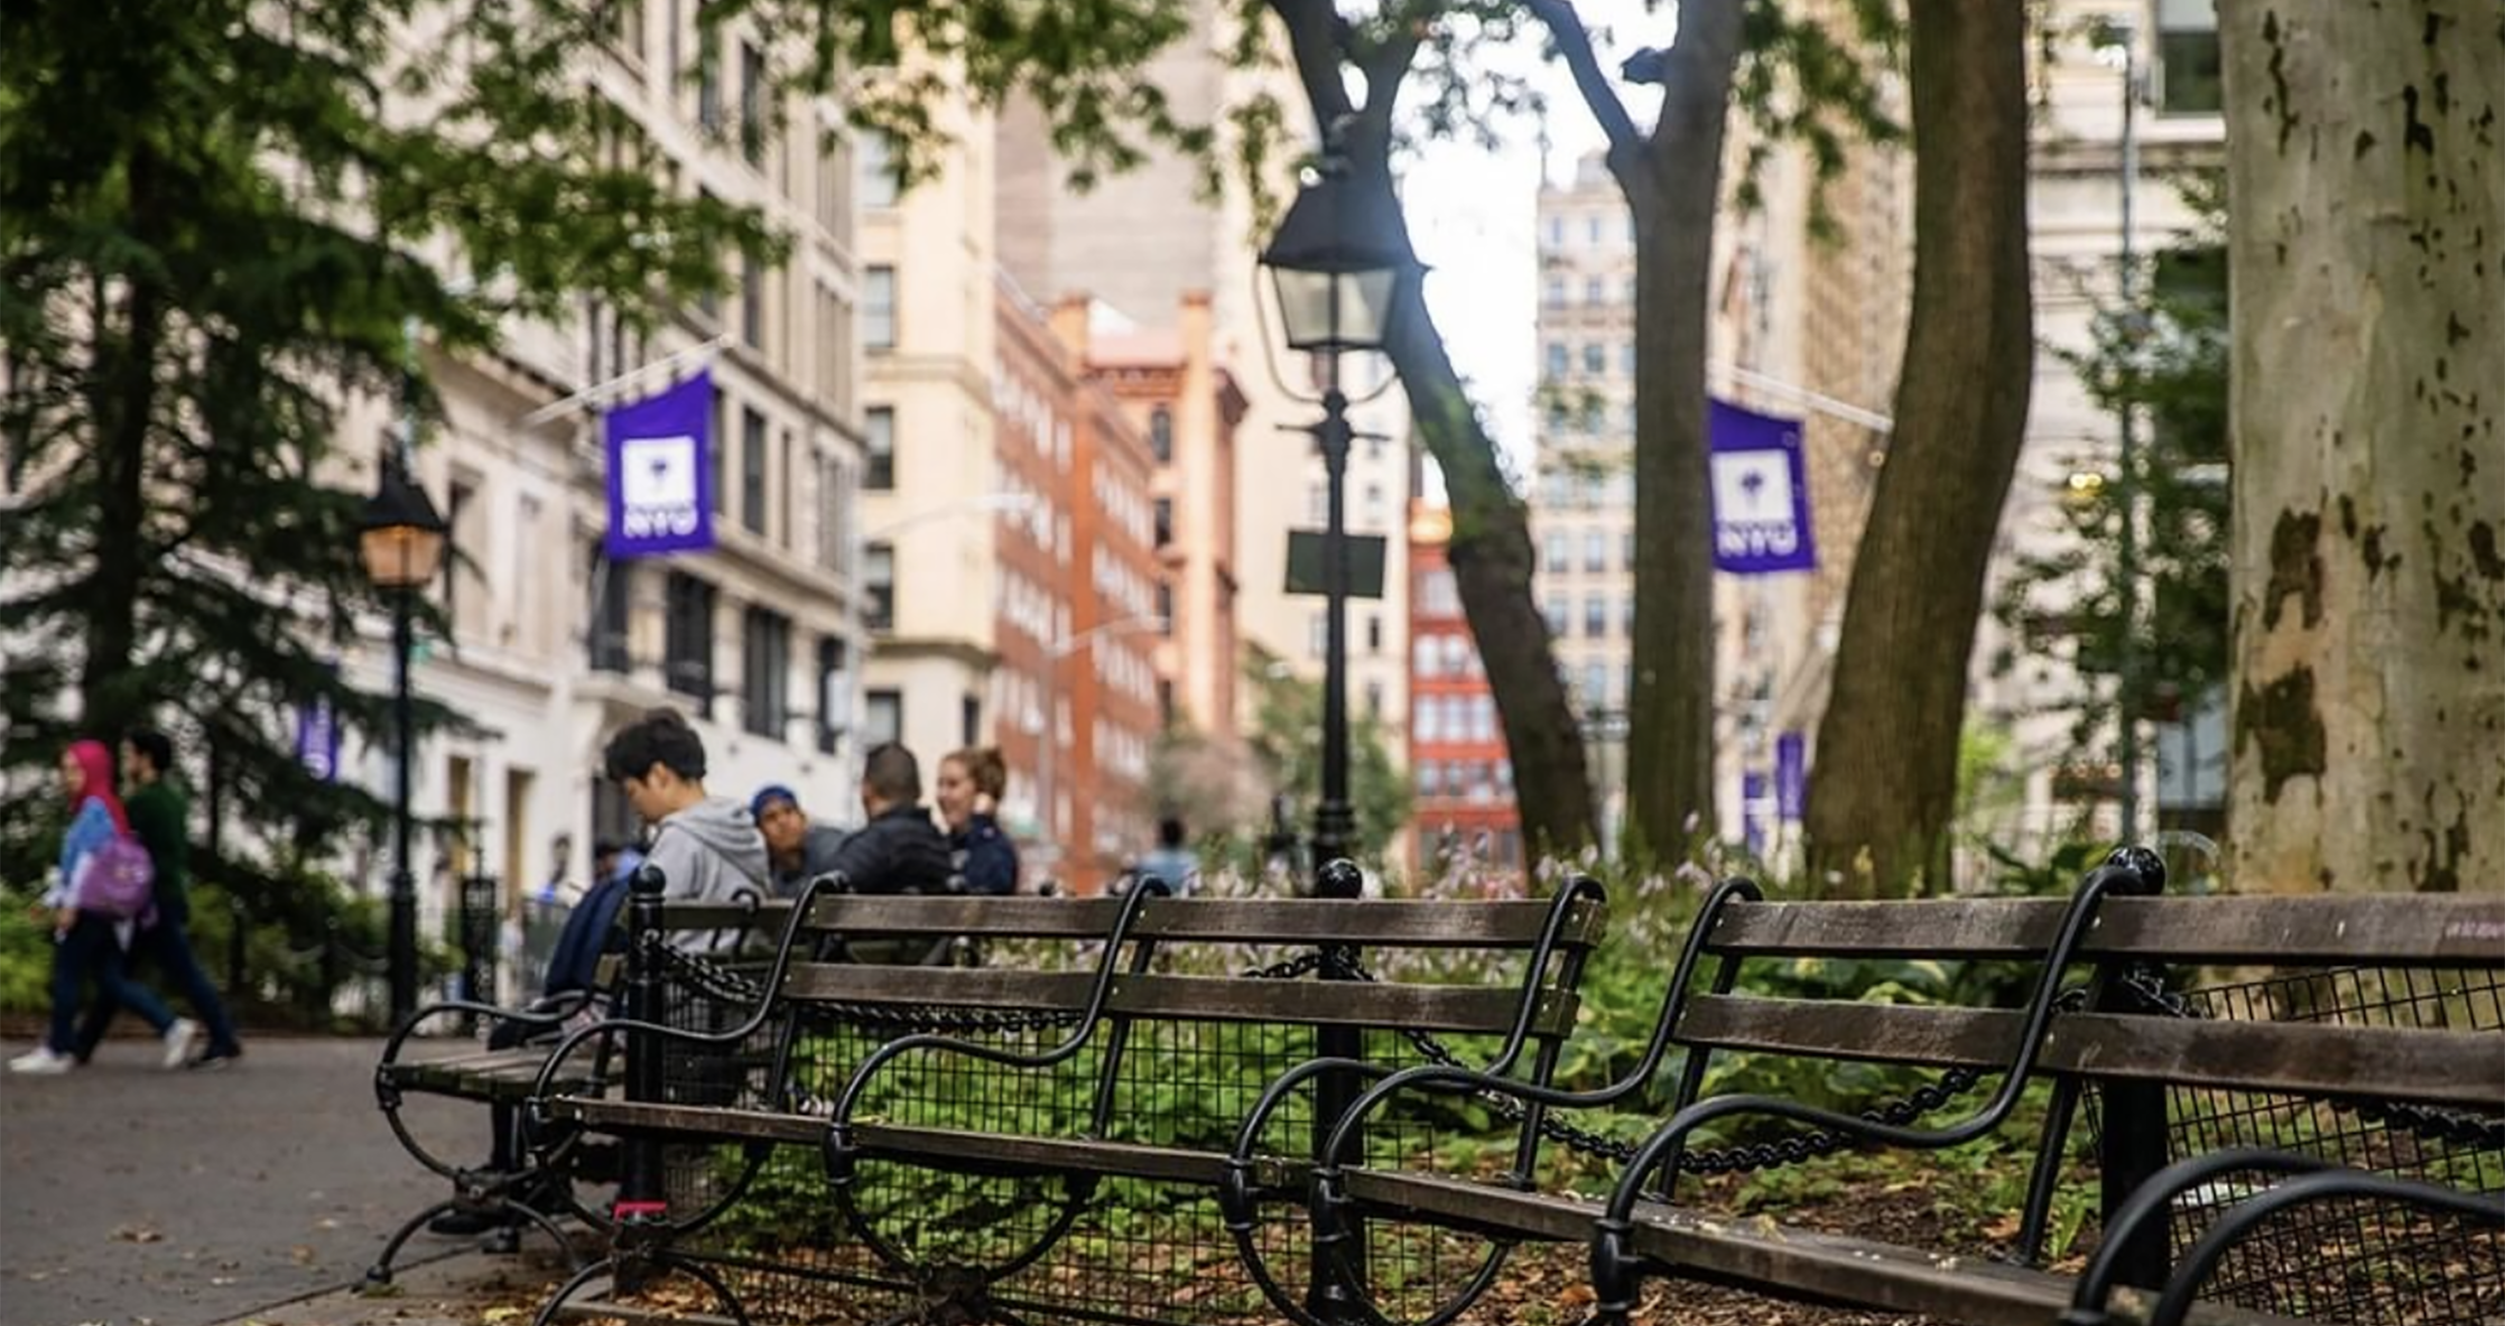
x=708, y=847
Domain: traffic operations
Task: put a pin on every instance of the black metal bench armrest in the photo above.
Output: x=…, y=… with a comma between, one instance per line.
x=549, y=1013
x=1448, y=1078
x=1108, y=968
x=1664, y=1146
x=549, y=1072
x=2315, y=1180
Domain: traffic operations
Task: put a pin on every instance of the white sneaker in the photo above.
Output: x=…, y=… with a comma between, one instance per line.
x=42, y=1061
x=178, y=1039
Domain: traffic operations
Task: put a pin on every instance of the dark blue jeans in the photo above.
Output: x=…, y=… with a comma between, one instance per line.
x=167, y=945
x=90, y=950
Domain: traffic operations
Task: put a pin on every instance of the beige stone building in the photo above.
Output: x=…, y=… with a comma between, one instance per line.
x=552, y=646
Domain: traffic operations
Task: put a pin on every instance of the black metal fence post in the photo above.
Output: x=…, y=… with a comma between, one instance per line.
x=2132, y=1142
x=643, y=1196
x=1338, y=1273
x=478, y=924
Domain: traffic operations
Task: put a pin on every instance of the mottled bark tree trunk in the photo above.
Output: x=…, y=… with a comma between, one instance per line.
x=1884, y=786
x=2367, y=270
x=1673, y=183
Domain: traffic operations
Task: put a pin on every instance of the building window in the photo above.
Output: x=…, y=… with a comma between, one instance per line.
x=834, y=693
x=833, y=500
x=1591, y=230
x=1164, y=527
x=1591, y=292
x=1556, y=297
x=1374, y=633
x=751, y=303
x=1626, y=358
x=882, y=717
x=1556, y=232
x=878, y=308
x=464, y=545
x=1554, y=609
x=1430, y=780
x=708, y=78
x=1626, y=548
x=2188, y=65
x=765, y=672
x=1595, y=617
x=1165, y=608
x=1374, y=699
x=1425, y=656
x=717, y=448
x=969, y=720
x=1595, y=358
x=1595, y=550
x=1559, y=359
x=878, y=586
x=1595, y=684
x=1441, y=594
x=688, y=655
x=612, y=585
x=751, y=103
x=1556, y=551
x=879, y=448
x=752, y=472
x=1428, y=723
x=879, y=182
x=1161, y=434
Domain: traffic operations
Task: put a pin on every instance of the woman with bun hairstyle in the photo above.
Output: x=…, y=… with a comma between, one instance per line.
x=971, y=782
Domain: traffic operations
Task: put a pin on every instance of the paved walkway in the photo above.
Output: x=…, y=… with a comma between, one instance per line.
x=131, y=1195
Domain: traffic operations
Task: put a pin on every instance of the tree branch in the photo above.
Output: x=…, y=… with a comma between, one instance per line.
x=1574, y=42
x=1383, y=68
x=1313, y=40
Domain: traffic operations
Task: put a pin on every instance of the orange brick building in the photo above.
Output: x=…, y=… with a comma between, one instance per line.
x=1460, y=771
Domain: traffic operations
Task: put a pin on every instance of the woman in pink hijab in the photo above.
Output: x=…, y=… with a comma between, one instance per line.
x=87, y=943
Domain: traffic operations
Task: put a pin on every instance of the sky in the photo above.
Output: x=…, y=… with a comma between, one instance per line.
x=1471, y=216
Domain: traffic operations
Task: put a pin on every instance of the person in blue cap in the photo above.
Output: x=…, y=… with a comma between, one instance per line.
x=797, y=851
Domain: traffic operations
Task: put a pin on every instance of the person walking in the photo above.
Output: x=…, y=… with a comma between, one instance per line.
x=88, y=941
x=160, y=816
x=971, y=783
x=1172, y=863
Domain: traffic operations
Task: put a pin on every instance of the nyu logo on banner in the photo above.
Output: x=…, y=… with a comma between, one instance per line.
x=317, y=740
x=660, y=486
x=1760, y=494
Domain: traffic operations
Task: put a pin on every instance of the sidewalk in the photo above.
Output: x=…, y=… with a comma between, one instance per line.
x=131, y=1195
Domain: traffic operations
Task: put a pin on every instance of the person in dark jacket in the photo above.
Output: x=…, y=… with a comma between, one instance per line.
x=971, y=783
x=159, y=818
x=573, y=966
x=898, y=850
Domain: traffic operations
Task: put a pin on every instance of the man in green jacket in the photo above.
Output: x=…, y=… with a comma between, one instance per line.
x=159, y=818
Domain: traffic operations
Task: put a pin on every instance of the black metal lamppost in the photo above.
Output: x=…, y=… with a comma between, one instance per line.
x=402, y=541
x=1341, y=263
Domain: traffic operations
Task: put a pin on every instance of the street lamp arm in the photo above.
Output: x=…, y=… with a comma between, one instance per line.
x=1002, y=503
x=1062, y=649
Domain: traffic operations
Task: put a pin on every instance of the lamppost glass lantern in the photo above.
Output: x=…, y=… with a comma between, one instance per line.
x=401, y=537
x=1338, y=263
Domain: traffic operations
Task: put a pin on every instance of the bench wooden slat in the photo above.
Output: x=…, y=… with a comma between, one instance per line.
x=1760, y=1255
x=485, y=1075
x=1384, y=923
x=2417, y=930
x=2452, y=1067
x=766, y=918
x=1011, y=1151
x=1443, y=1008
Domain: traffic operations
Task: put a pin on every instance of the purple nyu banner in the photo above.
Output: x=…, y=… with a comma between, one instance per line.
x=660, y=486
x=1791, y=775
x=1760, y=494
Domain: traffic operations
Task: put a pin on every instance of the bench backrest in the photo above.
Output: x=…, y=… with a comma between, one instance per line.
x=2446, y=951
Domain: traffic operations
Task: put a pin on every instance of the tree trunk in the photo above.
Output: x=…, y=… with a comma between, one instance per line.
x=1883, y=789
x=124, y=407
x=1672, y=181
x=1492, y=562
x=2366, y=233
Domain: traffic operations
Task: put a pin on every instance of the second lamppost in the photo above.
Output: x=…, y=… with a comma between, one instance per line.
x=1341, y=263
x=402, y=542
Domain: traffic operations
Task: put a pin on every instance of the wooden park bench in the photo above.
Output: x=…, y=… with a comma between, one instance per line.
x=456, y=1068
x=2367, y=1033
x=1044, y=1135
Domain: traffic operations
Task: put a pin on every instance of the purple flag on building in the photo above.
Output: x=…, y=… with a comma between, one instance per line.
x=1791, y=775
x=1754, y=803
x=1760, y=494
x=660, y=486
x=317, y=741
